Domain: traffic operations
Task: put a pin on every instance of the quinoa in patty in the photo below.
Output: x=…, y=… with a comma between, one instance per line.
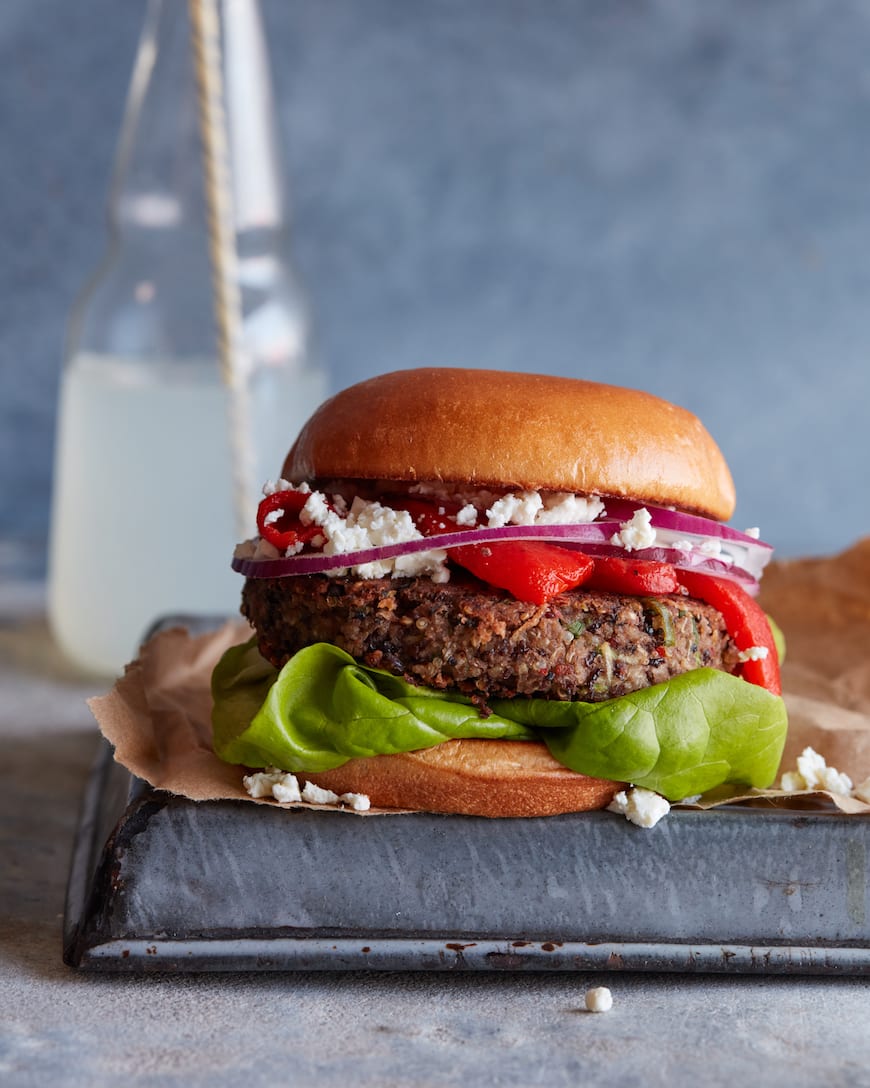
x=464, y=635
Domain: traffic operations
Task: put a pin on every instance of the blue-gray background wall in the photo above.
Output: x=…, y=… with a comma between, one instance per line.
x=661, y=193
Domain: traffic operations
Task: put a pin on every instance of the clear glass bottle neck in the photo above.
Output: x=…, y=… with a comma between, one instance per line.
x=153, y=297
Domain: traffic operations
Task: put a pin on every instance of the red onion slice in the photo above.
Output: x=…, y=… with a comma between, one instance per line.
x=678, y=522
x=598, y=532
x=594, y=538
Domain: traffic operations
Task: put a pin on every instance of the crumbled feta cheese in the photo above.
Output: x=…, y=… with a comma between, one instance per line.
x=599, y=999
x=272, y=783
x=315, y=795
x=284, y=787
x=271, y=486
x=287, y=789
x=754, y=532
x=433, y=563
x=359, y=802
x=514, y=509
x=753, y=653
x=534, y=508
x=642, y=807
x=813, y=773
x=260, y=783
x=564, y=508
x=467, y=515
x=316, y=510
x=636, y=534
x=372, y=525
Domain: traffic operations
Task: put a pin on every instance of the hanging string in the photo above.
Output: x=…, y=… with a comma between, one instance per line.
x=205, y=25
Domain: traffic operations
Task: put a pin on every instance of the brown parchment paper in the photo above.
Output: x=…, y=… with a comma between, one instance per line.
x=157, y=716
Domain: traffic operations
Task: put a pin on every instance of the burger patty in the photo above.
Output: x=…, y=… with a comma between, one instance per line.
x=461, y=635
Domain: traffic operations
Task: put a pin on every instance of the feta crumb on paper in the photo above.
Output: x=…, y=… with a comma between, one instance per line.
x=636, y=534
x=639, y=806
x=359, y=802
x=287, y=790
x=284, y=787
x=599, y=999
x=263, y=783
x=813, y=773
x=316, y=795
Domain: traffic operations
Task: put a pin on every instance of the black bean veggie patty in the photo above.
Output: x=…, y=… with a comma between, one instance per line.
x=464, y=635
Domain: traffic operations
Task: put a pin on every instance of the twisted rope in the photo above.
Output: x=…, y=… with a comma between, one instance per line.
x=205, y=29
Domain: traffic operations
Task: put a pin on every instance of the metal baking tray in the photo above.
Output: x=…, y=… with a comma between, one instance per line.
x=160, y=883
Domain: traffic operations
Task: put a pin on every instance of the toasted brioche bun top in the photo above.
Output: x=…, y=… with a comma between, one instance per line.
x=500, y=429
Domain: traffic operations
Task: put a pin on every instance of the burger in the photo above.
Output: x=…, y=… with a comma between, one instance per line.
x=502, y=594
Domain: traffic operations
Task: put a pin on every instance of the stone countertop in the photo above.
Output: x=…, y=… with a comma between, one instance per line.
x=62, y=1027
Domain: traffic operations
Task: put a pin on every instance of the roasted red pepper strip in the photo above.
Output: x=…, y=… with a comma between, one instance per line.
x=286, y=530
x=529, y=570
x=746, y=622
x=613, y=574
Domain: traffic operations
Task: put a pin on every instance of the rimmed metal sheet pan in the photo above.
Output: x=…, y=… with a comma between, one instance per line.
x=160, y=883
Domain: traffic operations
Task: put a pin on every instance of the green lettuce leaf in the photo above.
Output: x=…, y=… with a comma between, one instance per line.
x=323, y=709
x=683, y=737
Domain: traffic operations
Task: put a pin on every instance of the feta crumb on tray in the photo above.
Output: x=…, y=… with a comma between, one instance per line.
x=642, y=807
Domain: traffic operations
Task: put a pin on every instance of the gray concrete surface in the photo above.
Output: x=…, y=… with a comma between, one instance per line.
x=663, y=194
x=63, y=1028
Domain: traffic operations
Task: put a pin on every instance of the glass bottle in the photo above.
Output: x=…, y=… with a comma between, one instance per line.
x=143, y=508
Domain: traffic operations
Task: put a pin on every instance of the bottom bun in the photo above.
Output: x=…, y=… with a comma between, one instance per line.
x=472, y=778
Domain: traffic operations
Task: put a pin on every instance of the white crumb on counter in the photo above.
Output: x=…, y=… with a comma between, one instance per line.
x=599, y=999
x=639, y=806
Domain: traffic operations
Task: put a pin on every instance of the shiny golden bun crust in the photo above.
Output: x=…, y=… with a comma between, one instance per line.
x=472, y=778
x=518, y=431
